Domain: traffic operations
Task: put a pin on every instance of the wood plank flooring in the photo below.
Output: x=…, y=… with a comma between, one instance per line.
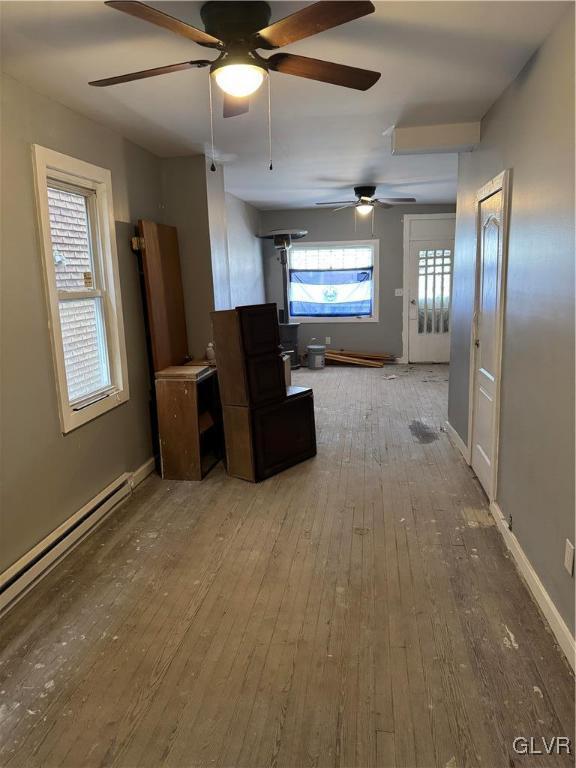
x=357, y=610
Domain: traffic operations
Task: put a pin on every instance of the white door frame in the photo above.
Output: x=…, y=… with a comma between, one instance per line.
x=499, y=182
x=409, y=217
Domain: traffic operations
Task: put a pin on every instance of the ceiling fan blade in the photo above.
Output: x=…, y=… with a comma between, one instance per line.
x=341, y=208
x=310, y=21
x=339, y=202
x=234, y=105
x=380, y=204
x=396, y=199
x=324, y=71
x=161, y=19
x=149, y=73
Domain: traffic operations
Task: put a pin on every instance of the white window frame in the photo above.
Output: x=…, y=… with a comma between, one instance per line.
x=69, y=171
x=374, y=317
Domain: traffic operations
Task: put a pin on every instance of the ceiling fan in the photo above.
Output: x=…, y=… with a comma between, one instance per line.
x=237, y=30
x=366, y=201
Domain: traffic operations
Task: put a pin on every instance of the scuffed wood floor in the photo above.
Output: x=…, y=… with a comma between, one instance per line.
x=357, y=610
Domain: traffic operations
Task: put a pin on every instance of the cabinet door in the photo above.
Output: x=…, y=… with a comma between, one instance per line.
x=266, y=381
x=178, y=427
x=284, y=434
x=259, y=324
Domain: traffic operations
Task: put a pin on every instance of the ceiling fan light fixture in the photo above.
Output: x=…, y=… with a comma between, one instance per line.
x=364, y=208
x=239, y=80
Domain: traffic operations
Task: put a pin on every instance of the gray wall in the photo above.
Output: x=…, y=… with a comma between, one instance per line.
x=220, y=252
x=530, y=130
x=185, y=206
x=325, y=225
x=218, y=238
x=45, y=476
x=244, y=253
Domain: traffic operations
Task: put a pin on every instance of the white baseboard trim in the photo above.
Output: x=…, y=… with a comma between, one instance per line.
x=26, y=572
x=557, y=624
x=457, y=442
x=140, y=474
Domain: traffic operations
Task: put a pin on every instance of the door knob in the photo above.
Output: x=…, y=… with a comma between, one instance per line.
x=477, y=343
x=412, y=301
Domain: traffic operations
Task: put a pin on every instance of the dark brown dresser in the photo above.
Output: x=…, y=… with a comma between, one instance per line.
x=267, y=426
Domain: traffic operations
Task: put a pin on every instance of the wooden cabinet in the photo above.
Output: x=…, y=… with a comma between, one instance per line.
x=247, y=343
x=267, y=426
x=187, y=410
x=284, y=433
x=189, y=423
x=260, y=442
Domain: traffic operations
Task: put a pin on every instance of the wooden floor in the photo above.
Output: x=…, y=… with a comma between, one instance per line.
x=357, y=610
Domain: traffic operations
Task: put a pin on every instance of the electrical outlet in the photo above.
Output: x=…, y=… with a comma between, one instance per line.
x=328, y=339
x=398, y=292
x=569, y=557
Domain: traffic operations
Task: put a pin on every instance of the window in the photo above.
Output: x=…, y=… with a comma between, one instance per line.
x=82, y=286
x=434, y=275
x=334, y=281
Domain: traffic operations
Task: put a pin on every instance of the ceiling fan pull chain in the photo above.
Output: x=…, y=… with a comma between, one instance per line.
x=271, y=167
x=213, y=165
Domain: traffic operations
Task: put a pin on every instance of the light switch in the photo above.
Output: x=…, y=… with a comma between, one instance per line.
x=398, y=292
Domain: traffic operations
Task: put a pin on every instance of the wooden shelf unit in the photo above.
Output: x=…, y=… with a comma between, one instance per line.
x=189, y=424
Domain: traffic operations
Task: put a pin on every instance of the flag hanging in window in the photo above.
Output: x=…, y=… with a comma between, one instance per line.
x=331, y=293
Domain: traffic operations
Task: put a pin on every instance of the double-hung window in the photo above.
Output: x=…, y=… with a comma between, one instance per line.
x=334, y=282
x=82, y=285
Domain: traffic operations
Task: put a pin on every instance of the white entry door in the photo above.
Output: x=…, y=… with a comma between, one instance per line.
x=487, y=333
x=430, y=264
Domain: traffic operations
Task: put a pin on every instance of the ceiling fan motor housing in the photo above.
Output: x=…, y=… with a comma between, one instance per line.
x=234, y=21
x=365, y=191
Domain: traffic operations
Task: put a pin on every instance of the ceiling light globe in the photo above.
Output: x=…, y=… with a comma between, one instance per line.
x=364, y=209
x=239, y=79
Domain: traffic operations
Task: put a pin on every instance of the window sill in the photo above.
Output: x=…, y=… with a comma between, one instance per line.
x=71, y=419
x=330, y=320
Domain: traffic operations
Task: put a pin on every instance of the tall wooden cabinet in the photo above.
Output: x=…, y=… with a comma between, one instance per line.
x=267, y=426
x=187, y=413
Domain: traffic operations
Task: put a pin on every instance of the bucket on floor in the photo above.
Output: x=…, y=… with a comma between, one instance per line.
x=316, y=355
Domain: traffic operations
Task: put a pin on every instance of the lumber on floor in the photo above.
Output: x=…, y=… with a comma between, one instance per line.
x=367, y=355
x=349, y=359
x=345, y=613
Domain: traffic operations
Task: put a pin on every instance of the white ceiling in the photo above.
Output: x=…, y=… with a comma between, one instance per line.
x=440, y=62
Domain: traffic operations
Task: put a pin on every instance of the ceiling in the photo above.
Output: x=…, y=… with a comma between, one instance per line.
x=440, y=62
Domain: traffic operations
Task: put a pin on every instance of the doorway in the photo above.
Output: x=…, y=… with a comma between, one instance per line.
x=487, y=329
x=428, y=260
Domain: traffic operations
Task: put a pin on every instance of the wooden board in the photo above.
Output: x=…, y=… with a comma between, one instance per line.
x=191, y=372
x=164, y=294
x=336, y=357
x=368, y=355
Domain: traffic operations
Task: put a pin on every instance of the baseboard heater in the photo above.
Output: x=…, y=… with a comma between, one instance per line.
x=22, y=575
